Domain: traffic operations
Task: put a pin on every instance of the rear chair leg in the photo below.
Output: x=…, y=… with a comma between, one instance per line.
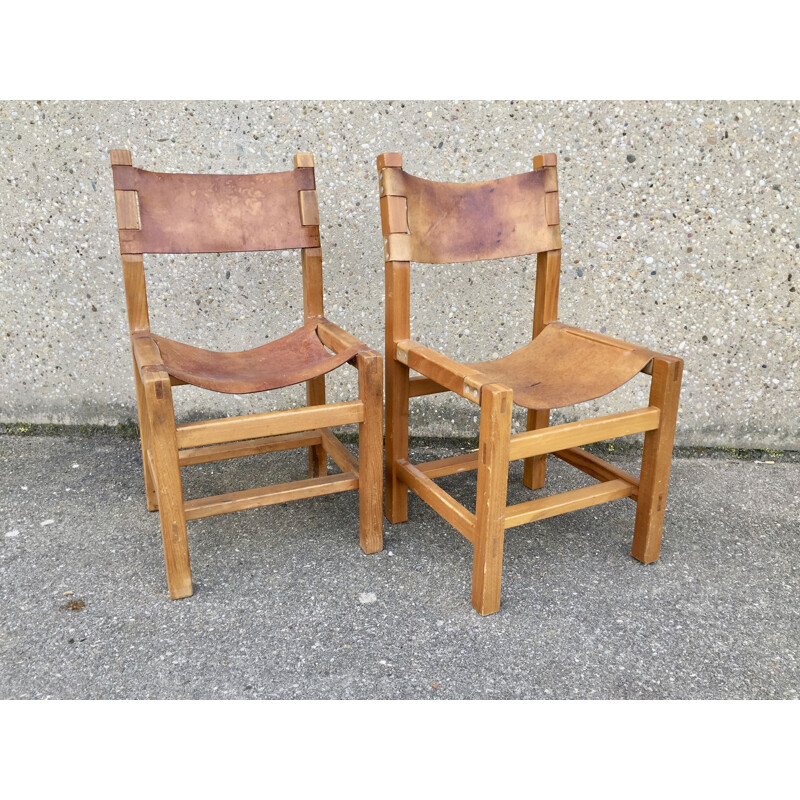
x=490, y=505
x=370, y=452
x=317, y=457
x=397, y=380
x=146, y=440
x=656, y=460
x=168, y=481
x=533, y=475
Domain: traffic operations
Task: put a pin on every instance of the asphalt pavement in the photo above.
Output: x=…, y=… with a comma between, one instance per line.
x=287, y=606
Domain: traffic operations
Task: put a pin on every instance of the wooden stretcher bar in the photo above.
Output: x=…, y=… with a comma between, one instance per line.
x=597, y=467
x=450, y=509
x=586, y=431
x=544, y=507
x=341, y=456
x=268, y=495
x=272, y=423
x=248, y=447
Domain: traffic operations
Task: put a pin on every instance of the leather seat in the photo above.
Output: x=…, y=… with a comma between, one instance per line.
x=564, y=365
x=292, y=359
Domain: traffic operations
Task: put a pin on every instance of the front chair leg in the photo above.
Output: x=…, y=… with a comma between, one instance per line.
x=164, y=442
x=370, y=452
x=490, y=505
x=656, y=459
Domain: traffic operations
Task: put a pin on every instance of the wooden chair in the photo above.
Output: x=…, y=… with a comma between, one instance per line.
x=439, y=223
x=174, y=213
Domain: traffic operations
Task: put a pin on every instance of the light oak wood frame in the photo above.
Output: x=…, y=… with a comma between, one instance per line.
x=485, y=529
x=167, y=446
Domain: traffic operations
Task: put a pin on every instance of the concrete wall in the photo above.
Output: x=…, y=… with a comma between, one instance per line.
x=680, y=227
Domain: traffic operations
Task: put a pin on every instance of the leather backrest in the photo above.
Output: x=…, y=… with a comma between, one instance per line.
x=180, y=213
x=461, y=222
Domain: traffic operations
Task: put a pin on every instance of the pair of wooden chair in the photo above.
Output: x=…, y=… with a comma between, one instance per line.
x=422, y=221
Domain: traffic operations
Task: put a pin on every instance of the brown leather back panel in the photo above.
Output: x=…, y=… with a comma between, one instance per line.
x=458, y=222
x=181, y=213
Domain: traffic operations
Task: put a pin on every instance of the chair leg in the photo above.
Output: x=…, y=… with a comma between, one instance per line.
x=490, y=505
x=370, y=452
x=145, y=439
x=168, y=483
x=396, y=437
x=533, y=475
x=317, y=457
x=656, y=460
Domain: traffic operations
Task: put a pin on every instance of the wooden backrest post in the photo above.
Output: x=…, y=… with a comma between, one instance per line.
x=311, y=256
x=548, y=262
x=394, y=227
x=132, y=264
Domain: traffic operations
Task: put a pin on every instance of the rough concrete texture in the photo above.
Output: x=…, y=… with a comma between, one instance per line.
x=287, y=606
x=680, y=226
